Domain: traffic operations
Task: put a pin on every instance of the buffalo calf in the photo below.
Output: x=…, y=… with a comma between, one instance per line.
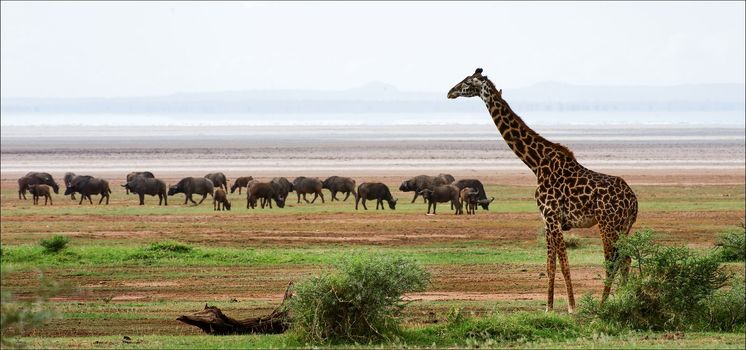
x=220, y=198
x=40, y=191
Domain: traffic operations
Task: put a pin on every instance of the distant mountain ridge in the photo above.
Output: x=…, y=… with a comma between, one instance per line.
x=385, y=98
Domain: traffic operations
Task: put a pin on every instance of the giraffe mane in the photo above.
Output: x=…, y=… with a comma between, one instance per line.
x=561, y=148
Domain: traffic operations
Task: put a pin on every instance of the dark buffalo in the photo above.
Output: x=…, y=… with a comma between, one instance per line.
x=34, y=178
x=220, y=198
x=374, y=190
x=150, y=186
x=87, y=186
x=304, y=185
x=442, y=194
x=191, y=185
x=421, y=182
x=266, y=191
x=218, y=180
x=476, y=185
x=131, y=176
x=339, y=184
x=40, y=191
x=68, y=179
x=282, y=186
x=240, y=183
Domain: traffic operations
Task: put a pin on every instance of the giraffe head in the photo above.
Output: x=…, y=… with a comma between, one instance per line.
x=470, y=86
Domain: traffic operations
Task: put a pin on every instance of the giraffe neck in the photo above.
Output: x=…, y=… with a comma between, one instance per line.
x=526, y=143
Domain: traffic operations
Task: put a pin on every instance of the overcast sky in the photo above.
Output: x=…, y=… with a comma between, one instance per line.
x=144, y=48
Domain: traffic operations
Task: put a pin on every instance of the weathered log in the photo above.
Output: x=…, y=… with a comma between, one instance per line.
x=212, y=321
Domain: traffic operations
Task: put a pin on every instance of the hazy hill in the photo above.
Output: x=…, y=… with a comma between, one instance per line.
x=383, y=98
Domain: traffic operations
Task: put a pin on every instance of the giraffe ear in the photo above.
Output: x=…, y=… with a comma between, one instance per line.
x=478, y=71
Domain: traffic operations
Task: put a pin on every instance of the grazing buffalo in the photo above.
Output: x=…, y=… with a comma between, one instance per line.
x=218, y=180
x=34, y=178
x=304, y=185
x=421, y=182
x=265, y=191
x=469, y=197
x=476, y=185
x=40, y=191
x=150, y=186
x=220, y=198
x=282, y=186
x=442, y=194
x=87, y=186
x=131, y=176
x=377, y=191
x=240, y=183
x=68, y=179
x=191, y=185
x=339, y=184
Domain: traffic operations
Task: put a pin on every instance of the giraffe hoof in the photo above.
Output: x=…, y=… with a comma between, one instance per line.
x=570, y=310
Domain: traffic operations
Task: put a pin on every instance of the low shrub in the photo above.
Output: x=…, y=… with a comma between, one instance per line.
x=360, y=302
x=55, y=244
x=732, y=245
x=667, y=289
x=725, y=311
x=170, y=247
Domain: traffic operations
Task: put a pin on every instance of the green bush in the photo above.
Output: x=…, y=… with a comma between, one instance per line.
x=725, y=311
x=55, y=244
x=667, y=289
x=360, y=302
x=732, y=245
x=170, y=247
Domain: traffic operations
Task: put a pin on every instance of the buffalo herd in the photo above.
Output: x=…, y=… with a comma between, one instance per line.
x=462, y=194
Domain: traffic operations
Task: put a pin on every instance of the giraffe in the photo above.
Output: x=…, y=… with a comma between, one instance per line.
x=568, y=194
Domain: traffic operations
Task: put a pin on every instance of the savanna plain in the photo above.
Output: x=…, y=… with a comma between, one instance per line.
x=113, y=283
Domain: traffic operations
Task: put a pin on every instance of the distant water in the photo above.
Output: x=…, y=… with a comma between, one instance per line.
x=331, y=148
x=553, y=118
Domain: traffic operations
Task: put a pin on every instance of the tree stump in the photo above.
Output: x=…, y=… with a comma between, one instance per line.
x=213, y=321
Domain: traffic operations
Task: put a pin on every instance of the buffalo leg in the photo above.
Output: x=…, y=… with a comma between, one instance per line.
x=298, y=194
x=315, y=195
x=346, y=196
x=72, y=196
x=82, y=197
x=102, y=199
x=142, y=198
x=415, y=196
x=305, y=199
x=321, y=194
x=366, y=208
x=203, y=199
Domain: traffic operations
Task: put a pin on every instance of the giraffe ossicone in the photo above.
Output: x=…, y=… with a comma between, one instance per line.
x=568, y=194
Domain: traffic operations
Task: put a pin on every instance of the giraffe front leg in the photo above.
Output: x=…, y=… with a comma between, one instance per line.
x=551, y=267
x=561, y=250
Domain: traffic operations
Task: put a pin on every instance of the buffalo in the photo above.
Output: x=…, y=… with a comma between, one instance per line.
x=282, y=185
x=151, y=186
x=442, y=194
x=131, y=176
x=304, y=185
x=191, y=185
x=87, y=186
x=240, y=183
x=68, y=179
x=220, y=198
x=421, y=182
x=477, y=186
x=218, y=180
x=266, y=191
x=374, y=190
x=339, y=184
x=34, y=178
x=40, y=191
x=469, y=197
